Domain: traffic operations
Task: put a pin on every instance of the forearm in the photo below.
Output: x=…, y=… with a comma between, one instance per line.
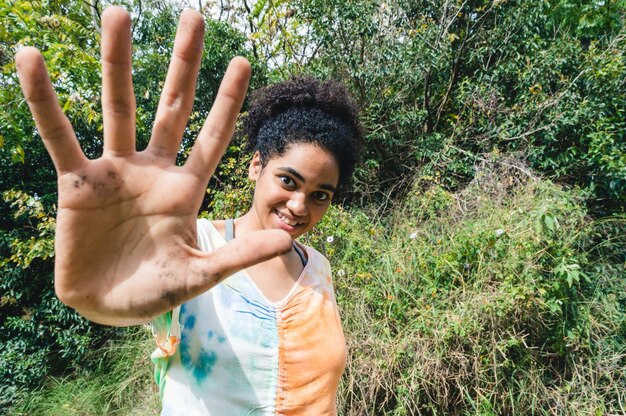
x=109, y=320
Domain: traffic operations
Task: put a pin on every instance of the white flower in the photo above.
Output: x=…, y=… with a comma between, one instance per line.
x=330, y=239
x=499, y=232
x=412, y=236
x=341, y=273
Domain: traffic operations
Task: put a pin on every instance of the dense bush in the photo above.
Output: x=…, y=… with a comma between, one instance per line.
x=440, y=82
x=121, y=384
x=39, y=335
x=504, y=298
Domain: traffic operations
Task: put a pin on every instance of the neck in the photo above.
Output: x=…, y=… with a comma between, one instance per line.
x=247, y=223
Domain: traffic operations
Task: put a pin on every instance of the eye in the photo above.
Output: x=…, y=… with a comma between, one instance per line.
x=321, y=196
x=287, y=181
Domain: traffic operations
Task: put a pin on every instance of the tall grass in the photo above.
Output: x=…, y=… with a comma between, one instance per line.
x=502, y=299
x=121, y=384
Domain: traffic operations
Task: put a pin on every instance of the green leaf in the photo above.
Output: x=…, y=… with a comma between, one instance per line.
x=17, y=154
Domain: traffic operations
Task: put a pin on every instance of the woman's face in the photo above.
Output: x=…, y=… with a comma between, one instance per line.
x=293, y=191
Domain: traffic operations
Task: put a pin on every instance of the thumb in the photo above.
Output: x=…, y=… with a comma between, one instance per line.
x=208, y=269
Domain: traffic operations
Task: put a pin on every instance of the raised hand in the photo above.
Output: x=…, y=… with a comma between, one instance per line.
x=126, y=226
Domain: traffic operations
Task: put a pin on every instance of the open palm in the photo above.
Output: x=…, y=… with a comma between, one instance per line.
x=126, y=228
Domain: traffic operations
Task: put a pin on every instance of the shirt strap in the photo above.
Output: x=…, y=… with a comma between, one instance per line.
x=230, y=229
x=300, y=253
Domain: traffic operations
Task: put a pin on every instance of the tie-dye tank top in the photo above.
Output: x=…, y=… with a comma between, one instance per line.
x=231, y=351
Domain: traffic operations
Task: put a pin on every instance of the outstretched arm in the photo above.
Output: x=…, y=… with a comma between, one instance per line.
x=126, y=226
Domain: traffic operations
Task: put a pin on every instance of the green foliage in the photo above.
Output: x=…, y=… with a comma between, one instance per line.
x=40, y=336
x=482, y=290
x=541, y=78
x=493, y=300
x=41, y=246
x=121, y=385
x=231, y=194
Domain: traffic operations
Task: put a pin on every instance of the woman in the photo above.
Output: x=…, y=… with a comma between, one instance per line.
x=268, y=340
x=129, y=250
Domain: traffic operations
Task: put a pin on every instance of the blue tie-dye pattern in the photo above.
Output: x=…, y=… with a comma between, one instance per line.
x=201, y=363
x=265, y=318
x=189, y=322
x=259, y=310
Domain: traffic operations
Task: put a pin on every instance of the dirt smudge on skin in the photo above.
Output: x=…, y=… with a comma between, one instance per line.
x=172, y=298
x=211, y=277
x=79, y=181
x=161, y=264
x=98, y=187
x=166, y=274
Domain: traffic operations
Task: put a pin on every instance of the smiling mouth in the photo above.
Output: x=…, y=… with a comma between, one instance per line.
x=288, y=221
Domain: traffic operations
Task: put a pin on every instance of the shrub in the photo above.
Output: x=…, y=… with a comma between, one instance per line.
x=494, y=300
x=120, y=384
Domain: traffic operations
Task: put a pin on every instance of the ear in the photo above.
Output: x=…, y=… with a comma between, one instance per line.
x=255, y=168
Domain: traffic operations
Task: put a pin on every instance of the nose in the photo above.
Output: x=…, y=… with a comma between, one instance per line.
x=297, y=204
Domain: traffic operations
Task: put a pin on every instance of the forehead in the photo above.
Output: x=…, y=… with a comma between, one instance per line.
x=313, y=162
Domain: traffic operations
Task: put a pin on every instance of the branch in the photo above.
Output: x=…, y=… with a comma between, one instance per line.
x=136, y=25
x=95, y=15
x=252, y=29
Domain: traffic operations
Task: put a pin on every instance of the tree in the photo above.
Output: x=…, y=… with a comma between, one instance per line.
x=442, y=84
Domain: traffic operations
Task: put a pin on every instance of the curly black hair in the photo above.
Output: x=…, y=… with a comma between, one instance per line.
x=305, y=110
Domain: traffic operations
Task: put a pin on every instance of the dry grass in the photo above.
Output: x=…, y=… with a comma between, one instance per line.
x=464, y=313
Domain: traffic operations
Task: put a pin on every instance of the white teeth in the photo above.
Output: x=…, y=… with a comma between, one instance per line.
x=287, y=220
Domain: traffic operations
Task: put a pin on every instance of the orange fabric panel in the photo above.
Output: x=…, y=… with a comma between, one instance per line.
x=312, y=349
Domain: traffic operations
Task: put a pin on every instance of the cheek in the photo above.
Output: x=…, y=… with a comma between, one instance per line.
x=271, y=196
x=319, y=211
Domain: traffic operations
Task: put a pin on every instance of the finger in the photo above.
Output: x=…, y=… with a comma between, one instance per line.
x=55, y=129
x=208, y=269
x=220, y=124
x=118, y=99
x=179, y=90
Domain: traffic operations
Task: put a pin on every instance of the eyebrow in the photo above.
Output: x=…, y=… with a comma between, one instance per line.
x=295, y=173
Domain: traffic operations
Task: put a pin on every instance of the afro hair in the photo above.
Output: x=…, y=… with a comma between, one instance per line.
x=305, y=110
